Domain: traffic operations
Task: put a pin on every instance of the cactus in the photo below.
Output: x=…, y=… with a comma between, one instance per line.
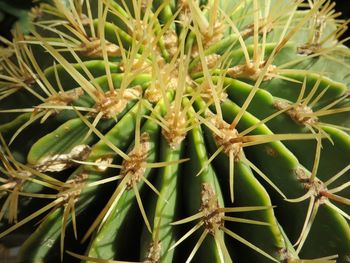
x=176, y=131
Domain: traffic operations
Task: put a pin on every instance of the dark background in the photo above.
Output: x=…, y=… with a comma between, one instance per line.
x=344, y=7
x=8, y=19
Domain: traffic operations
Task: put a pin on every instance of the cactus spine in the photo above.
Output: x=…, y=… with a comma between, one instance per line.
x=177, y=131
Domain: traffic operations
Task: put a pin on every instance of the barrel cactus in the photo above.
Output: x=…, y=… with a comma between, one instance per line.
x=176, y=131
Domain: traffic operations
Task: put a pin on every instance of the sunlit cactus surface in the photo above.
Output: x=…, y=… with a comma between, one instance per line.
x=176, y=131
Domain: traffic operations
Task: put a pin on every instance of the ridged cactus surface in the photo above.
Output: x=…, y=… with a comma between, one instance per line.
x=176, y=131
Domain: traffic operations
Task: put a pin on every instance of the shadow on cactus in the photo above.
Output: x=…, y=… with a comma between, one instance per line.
x=176, y=131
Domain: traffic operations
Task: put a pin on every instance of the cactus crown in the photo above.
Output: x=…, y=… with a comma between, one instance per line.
x=171, y=131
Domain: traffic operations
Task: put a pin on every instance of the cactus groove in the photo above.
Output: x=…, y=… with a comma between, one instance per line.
x=176, y=131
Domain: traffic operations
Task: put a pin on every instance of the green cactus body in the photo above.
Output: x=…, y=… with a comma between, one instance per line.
x=176, y=131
